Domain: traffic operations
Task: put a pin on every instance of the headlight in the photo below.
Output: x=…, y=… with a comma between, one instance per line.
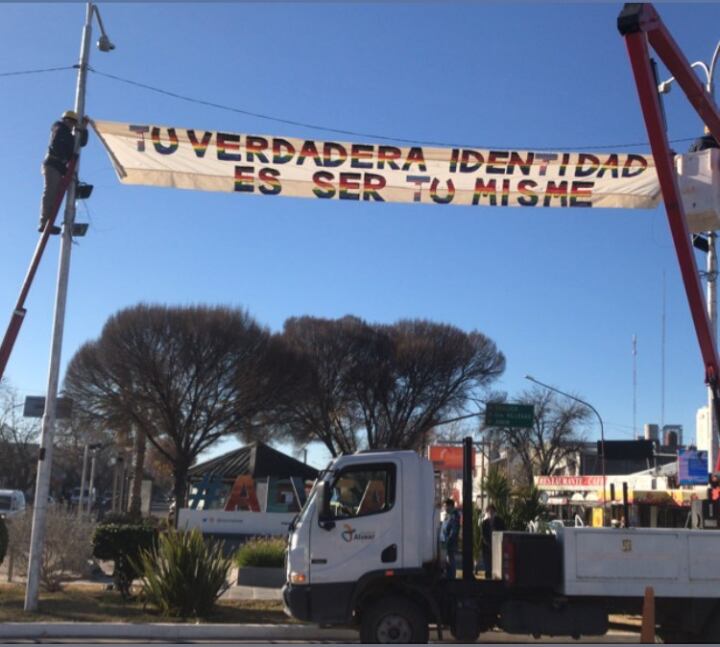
x=297, y=578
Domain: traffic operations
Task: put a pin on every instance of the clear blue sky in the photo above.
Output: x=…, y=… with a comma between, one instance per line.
x=560, y=291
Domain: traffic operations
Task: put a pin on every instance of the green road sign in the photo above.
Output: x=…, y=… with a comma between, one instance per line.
x=503, y=414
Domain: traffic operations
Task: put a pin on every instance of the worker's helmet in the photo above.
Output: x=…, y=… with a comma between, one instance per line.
x=70, y=114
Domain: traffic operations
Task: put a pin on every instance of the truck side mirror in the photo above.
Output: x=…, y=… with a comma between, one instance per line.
x=323, y=497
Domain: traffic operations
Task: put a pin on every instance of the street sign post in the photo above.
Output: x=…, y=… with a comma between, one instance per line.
x=35, y=407
x=504, y=414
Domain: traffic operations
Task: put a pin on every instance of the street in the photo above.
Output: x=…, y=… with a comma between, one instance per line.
x=614, y=637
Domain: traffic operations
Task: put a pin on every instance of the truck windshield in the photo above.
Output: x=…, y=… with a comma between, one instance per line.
x=303, y=513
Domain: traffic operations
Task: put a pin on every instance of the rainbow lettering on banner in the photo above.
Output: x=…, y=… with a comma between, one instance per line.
x=329, y=170
x=200, y=147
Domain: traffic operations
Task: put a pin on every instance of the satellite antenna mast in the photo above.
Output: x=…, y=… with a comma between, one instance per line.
x=634, y=378
x=662, y=358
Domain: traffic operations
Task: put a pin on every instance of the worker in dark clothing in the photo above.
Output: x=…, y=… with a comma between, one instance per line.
x=54, y=166
x=490, y=523
x=449, y=536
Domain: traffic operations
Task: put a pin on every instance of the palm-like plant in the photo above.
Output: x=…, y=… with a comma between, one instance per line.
x=184, y=576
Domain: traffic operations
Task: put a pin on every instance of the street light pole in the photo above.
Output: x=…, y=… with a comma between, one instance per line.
x=602, y=431
x=91, y=496
x=711, y=277
x=42, y=486
x=82, y=479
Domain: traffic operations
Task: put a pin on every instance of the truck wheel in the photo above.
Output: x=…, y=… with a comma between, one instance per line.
x=394, y=620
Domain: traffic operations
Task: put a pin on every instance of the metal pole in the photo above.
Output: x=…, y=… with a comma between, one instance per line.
x=113, y=503
x=91, y=497
x=712, y=315
x=482, y=478
x=467, y=507
x=602, y=431
x=626, y=505
x=123, y=475
x=82, y=481
x=37, y=538
x=712, y=292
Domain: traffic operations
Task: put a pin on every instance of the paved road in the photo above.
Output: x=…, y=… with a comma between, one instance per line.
x=489, y=638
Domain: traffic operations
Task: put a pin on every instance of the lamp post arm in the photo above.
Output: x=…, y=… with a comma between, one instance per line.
x=567, y=395
x=665, y=85
x=99, y=19
x=711, y=71
x=602, y=430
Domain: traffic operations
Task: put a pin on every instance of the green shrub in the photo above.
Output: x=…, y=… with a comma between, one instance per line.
x=183, y=576
x=122, y=543
x=4, y=540
x=268, y=552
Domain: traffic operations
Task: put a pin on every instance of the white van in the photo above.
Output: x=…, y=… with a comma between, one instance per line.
x=12, y=502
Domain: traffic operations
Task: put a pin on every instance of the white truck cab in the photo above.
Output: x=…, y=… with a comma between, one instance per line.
x=371, y=516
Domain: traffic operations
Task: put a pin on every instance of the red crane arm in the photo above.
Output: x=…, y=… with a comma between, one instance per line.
x=640, y=25
x=18, y=314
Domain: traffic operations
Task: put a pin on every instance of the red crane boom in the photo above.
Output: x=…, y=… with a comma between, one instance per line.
x=641, y=26
x=18, y=315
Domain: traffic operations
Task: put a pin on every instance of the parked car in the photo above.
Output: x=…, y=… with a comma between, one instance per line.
x=75, y=496
x=12, y=502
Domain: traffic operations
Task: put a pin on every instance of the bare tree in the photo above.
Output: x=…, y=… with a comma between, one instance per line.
x=555, y=437
x=383, y=385
x=322, y=407
x=18, y=442
x=434, y=372
x=183, y=377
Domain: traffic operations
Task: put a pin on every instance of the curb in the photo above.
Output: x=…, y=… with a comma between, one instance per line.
x=173, y=632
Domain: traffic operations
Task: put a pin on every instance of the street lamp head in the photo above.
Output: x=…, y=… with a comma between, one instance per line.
x=530, y=377
x=665, y=87
x=104, y=44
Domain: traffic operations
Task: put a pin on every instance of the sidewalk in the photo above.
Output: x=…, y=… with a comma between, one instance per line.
x=173, y=632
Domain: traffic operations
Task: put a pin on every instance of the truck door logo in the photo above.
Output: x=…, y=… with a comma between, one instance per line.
x=350, y=534
x=627, y=545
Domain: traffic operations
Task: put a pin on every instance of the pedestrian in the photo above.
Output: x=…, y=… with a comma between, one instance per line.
x=713, y=487
x=60, y=151
x=449, y=535
x=491, y=522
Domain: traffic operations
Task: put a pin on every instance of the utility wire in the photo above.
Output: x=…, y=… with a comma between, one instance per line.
x=302, y=124
x=353, y=133
x=47, y=69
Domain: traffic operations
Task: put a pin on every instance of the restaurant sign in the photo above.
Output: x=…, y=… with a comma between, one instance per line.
x=568, y=482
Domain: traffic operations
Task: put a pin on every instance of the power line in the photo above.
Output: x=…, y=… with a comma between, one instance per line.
x=303, y=124
x=354, y=133
x=40, y=71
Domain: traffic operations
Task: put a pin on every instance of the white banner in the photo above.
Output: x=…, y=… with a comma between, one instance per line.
x=328, y=170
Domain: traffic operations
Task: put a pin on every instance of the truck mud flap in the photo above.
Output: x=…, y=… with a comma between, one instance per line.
x=548, y=618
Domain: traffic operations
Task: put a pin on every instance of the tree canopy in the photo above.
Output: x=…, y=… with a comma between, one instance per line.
x=184, y=377
x=382, y=386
